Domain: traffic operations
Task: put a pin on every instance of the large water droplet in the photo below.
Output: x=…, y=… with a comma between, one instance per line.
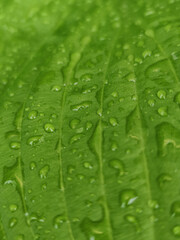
x=162, y=111
x=13, y=207
x=35, y=140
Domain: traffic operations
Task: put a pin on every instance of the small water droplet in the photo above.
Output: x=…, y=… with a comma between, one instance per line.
x=114, y=94
x=12, y=222
x=161, y=94
x=87, y=165
x=81, y=106
x=88, y=125
x=133, y=220
x=44, y=171
x=146, y=53
x=13, y=207
x=113, y=122
x=32, y=165
x=176, y=231
x=127, y=197
x=175, y=209
x=153, y=204
x=86, y=77
x=32, y=115
x=163, y=178
x=117, y=164
x=49, y=128
x=163, y=111
x=114, y=146
x=76, y=138
x=35, y=140
x=177, y=98
x=58, y=221
x=15, y=145
x=56, y=88
x=74, y=123
x=151, y=102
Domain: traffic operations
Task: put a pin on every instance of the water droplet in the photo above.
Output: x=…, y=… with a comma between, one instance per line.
x=74, y=123
x=113, y=122
x=163, y=178
x=56, y=88
x=175, y=209
x=176, y=231
x=133, y=220
x=35, y=140
x=127, y=197
x=88, y=125
x=151, y=102
x=81, y=106
x=32, y=165
x=114, y=146
x=87, y=165
x=76, y=138
x=121, y=99
x=44, y=186
x=32, y=115
x=114, y=94
x=44, y=171
x=20, y=237
x=15, y=145
x=117, y=164
x=12, y=222
x=49, y=128
x=86, y=77
x=146, y=53
x=177, y=98
x=58, y=221
x=13, y=207
x=153, y=204
x=161, y=94
x=162, y=111
x=149, y=33
x=80, y=176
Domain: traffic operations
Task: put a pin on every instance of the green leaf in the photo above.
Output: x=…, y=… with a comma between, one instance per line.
x=89, y=120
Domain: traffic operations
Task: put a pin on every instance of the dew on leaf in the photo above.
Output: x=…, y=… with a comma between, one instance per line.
x=162, y=111
x=74, y=123
x=12, y=222
x=127, y=197
x=80, y=176
x=114, y=146
x=146, y=53
x=13, y=207
x=58, y=221
x=86, y=77
x=133, y=220
x=113, y=122
x=151, y=102
x=35, y=140
x=175, y=209
x=153, y=204
x=49, y=128
x=163, y=178
x=117, y=164
x=87, y=165
x=177, y=98
x=32, y=165
x=81, y=106
x=76, y=138
x=176, y=231
x=161, y=94
x=114, y=94
x=15, y=145
x=88, y=125
x=43, y=173
x=56, y=88
x=19, y=237
x=32, y=115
